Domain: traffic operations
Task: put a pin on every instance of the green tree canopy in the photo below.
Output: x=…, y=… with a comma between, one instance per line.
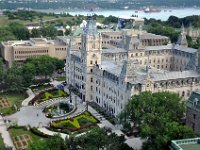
x=14, y=79
x=97, y=139
x=1, y=70
x=20, y=31
x=6, y=34
x=158, y=118
x=49, y=31
x=52, y=143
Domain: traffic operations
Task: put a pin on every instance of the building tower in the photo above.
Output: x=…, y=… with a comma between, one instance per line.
x=90, y=56
x=182, y=40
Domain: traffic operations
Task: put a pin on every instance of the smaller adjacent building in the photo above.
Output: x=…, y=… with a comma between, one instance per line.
x=185, y=144
x=19, y=51
x=193, y=112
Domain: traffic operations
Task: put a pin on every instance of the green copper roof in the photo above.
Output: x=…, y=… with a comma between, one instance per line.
x=77, y=32
x=194, y=101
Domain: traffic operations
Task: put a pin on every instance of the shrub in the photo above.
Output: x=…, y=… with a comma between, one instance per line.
x=37, y=132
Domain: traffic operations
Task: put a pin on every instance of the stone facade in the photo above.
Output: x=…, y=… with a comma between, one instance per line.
x=112, y=66
x=193, y=112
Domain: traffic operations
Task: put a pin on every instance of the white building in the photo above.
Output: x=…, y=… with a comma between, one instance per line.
x=110, y=67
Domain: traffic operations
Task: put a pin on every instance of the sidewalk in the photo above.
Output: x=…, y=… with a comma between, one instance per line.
x=135, y=143
x=48, y=132
x=31, y=95
x=5, y=134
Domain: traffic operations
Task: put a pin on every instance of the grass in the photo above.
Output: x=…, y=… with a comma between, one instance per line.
x=76, y=123
x=4, y=21
x=14, y=99
x=1, y=142
x=190, y=147
x=21, y=131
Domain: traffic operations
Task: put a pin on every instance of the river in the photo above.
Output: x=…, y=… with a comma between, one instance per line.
x=163, y=15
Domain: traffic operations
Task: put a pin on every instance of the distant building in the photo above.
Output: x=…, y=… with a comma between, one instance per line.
x=185, y=144
x=194, y=33
x=193, y=112
x=19, y=51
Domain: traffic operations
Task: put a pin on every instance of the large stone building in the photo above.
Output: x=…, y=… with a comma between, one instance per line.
x=19, y=51
x=108, y=67
x=193, y=112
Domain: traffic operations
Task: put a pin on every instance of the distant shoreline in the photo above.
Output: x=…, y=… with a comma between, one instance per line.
x=163, y=15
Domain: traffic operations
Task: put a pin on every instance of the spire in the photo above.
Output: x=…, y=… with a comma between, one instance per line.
x=90, y=28
x=182, y=40
x=182, y=28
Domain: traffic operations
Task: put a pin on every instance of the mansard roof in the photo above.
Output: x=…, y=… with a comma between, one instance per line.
x=152, y=36
x=173, y=75
x=114, y=50
x=185, y=49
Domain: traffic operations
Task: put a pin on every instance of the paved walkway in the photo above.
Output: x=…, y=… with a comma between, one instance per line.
x=31, y=95
x=29, y=115
x=48, y=132
x=5, y=134
x=135, y=143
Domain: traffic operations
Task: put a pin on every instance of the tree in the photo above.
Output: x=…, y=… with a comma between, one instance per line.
x=52, y=143
x=28, y=74
x=158, y=118
x=6, y=34
x=36, y=33
x=67, y=32
x=49, y=31
x=97, y=139
x=20, y=31
x=14, y=79
x=1, y=70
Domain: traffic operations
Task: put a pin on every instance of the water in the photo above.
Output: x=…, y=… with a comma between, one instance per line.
x=163, y=15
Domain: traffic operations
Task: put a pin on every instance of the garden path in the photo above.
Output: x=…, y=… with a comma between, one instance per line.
x=31, y=95
x=135, y=143
x=48, y=132
x=29, y=115
x=5, y=134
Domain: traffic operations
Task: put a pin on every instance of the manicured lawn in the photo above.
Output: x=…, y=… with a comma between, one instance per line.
x=190, y=147
x=14, y=99
x=1, y=141
x=82, y=121
x=17, y=134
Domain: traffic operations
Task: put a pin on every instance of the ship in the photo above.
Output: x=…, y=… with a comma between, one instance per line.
x=151, y=10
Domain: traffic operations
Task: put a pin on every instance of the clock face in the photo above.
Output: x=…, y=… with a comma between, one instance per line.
x=93, y=55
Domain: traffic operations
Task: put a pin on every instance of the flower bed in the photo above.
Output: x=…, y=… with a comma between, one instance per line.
x=79, y=122
x=53, y=93
x=41, y=87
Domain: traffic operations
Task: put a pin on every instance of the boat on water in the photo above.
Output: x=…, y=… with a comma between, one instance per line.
x=151, y=10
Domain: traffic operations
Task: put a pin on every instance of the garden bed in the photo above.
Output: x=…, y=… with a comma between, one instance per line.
x=49, y=94
x=11, y=101
x=41, y=87
x=82, y=121
x=22, y=137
